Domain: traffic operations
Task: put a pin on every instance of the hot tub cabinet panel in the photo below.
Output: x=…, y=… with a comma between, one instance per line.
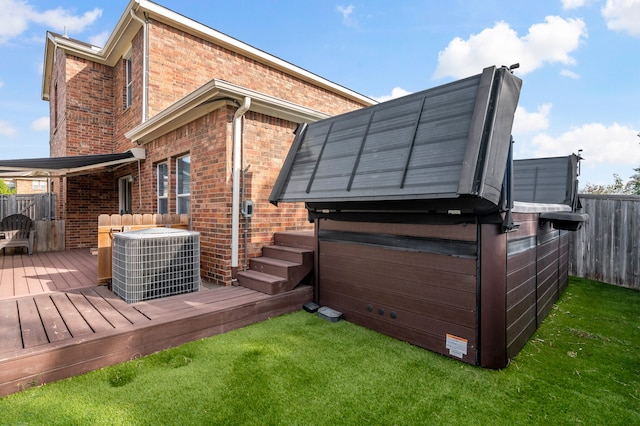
x=427, y=284
x=402, y=280
x=537, y=274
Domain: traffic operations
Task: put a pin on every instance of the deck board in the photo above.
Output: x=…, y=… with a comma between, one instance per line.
x=6, y=277
x=22, y=275
x=33, y=279
x=43, y=273
x=10, y=326
x=81, y=274
x=75, y=323
x=20, y=280
x=63, y=272
x=106, y=310
x=91, y=315
x=55, y=322
x=129, y=312
x=33, y=333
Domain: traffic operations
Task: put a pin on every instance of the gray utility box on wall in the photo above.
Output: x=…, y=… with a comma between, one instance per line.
x=155, y=262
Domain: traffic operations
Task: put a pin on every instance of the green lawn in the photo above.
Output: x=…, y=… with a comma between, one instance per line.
x=582, y=366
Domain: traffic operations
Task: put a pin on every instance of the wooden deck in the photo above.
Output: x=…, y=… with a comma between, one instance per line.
x=56, y=323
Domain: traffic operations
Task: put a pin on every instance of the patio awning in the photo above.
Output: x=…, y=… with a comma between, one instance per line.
x=43, y=167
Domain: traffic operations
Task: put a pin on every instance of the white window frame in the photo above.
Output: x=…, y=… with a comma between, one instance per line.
x=180, y=197
x=125, y=195
x=128, y=67
x=163, y=182
x=39, y=185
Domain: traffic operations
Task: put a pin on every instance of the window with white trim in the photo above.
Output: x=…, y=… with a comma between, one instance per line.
x=39, y=185
x=125, y=195
x=128, y=65
x=163, y=188
x=183, y=185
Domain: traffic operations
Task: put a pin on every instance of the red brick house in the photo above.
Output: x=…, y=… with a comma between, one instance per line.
x=215, y=117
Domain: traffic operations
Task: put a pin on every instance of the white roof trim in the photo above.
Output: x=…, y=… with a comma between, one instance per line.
x=127, y=27
x=212, y=96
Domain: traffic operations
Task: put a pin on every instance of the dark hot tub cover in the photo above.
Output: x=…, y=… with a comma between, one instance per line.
x=448, y=142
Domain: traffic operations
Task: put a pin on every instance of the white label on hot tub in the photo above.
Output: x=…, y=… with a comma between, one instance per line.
x=457, y=345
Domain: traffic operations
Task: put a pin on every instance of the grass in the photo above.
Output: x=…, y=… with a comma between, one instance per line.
x=582, y=366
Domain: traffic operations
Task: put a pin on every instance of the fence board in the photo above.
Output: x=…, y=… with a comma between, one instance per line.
x=49, y=235
x=606, y=248
x=108, y=224
x=36, y=206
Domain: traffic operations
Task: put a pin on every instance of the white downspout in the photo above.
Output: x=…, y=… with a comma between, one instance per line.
x=145, y=64
x=235, y=202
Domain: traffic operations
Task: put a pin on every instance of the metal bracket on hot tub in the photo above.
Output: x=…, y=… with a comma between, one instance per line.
x=569, y=221
x=507, y=223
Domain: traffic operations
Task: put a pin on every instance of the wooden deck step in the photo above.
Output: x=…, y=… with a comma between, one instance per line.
x=292, y=254
x=303, y=239
x=265, y=283
x=271, y=266
x=282, y=266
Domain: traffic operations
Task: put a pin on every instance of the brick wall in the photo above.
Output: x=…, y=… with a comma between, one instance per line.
x=208, y=140
x=89, y=107
x=127, y=118
x=96, y=120
x=87, y=197
x=174, y=74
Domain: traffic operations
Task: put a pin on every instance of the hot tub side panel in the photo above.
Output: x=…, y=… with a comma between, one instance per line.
x=492, y=300
x=563, y=266
x=521, y=282
x=414, y=282
x=548, y=269
x=537, y=274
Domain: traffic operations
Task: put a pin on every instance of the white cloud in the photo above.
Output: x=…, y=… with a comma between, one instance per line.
x=623, y=15
x=41, y=124
x=6, y=129
x=99, y=39
x=347, y=12
x=601, y=144
x=1, y=84
x=569, y=74
x=17, y=15
x=396, y=92
x=529, y=122
x=572, y=4
x=548, y=42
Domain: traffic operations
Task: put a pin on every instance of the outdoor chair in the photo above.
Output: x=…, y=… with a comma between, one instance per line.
x=17, y=230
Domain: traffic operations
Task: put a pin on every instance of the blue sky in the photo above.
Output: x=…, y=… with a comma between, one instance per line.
x=579, y=60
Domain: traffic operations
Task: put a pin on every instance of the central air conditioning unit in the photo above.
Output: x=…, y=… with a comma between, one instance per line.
x=155, y=262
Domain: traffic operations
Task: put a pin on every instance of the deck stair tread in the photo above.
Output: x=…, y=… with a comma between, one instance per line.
x=262, y=276
x=282, y=266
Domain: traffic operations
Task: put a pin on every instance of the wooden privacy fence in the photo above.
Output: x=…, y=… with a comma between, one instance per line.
x=110, y=224
x=49, y=235
x=36, y=206
x=606, y=248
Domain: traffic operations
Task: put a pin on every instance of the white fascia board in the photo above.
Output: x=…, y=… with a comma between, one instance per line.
x=212, y=96
x=120, y=40
x=192, y=27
